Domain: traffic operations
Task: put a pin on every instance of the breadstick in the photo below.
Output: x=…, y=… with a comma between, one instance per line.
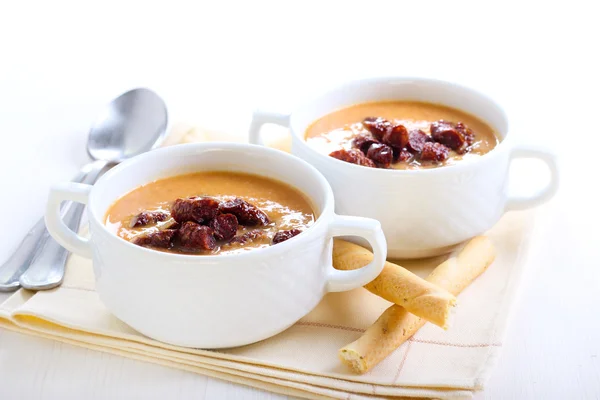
x=398, y=285
x=396, y=324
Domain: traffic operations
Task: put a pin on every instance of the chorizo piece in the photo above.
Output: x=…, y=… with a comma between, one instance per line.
x=396, y=137
x=445, y=132
x=353, y=156
x=282, y=236
x=160, y=239
x=404, y=156
x=468, y=134
x=381, y=154
x=196, y=236
x=148, y=217
x=224, y=226
x=363, y=142
x=416, y=140
x=196, y=209
x=377, y=126
x=434, y=151
x=247, y=214
x=248, y=237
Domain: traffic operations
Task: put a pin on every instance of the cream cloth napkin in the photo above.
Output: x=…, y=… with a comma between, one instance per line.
x=302, y=361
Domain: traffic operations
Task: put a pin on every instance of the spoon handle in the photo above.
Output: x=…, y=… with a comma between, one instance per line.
x=21, y=259
x=47, y=267
x=18, y=262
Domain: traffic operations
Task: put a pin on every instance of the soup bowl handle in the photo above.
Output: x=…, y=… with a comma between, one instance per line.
x=261, y=117
x=545, y=193
x=70, y=240
x=369, y=229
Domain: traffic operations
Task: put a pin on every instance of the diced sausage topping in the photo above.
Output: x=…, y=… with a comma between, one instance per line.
x=416, y=141
x=159, y=239
x=383, y=143
x=203, y=224
x=433, y=151
x=466, y=132
x=377, y=126
x=446, y=133
x=148, y=217
x=381, y=154
x=196, y=237
x=404, y=156
x=224, y=226
x=196, y=209
x=246, y=213
x=363, y=142
x=282, y=236
x=353, y=156
x=248, y=237
x=396, y=137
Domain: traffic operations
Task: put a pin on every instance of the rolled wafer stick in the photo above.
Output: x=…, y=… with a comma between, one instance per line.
x=398, y=285
x=396, y=324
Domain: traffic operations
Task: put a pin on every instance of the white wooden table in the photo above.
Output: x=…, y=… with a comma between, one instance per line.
x=213, y=63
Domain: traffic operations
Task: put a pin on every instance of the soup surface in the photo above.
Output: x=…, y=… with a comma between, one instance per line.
x=208, y=213
x=401, y=135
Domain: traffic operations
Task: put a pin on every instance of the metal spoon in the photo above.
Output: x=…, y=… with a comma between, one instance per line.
x=133, y=123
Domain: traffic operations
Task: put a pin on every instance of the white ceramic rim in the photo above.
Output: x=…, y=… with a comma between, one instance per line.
x=256, y=253
x=367, y=81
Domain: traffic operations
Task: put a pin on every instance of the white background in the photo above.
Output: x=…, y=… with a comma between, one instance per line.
x=213, y=63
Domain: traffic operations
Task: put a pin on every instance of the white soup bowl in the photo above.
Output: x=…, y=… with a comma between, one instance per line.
x=221, y=300
x=423, y=212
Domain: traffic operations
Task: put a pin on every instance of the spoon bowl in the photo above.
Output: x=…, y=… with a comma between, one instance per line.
x=131, y=124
